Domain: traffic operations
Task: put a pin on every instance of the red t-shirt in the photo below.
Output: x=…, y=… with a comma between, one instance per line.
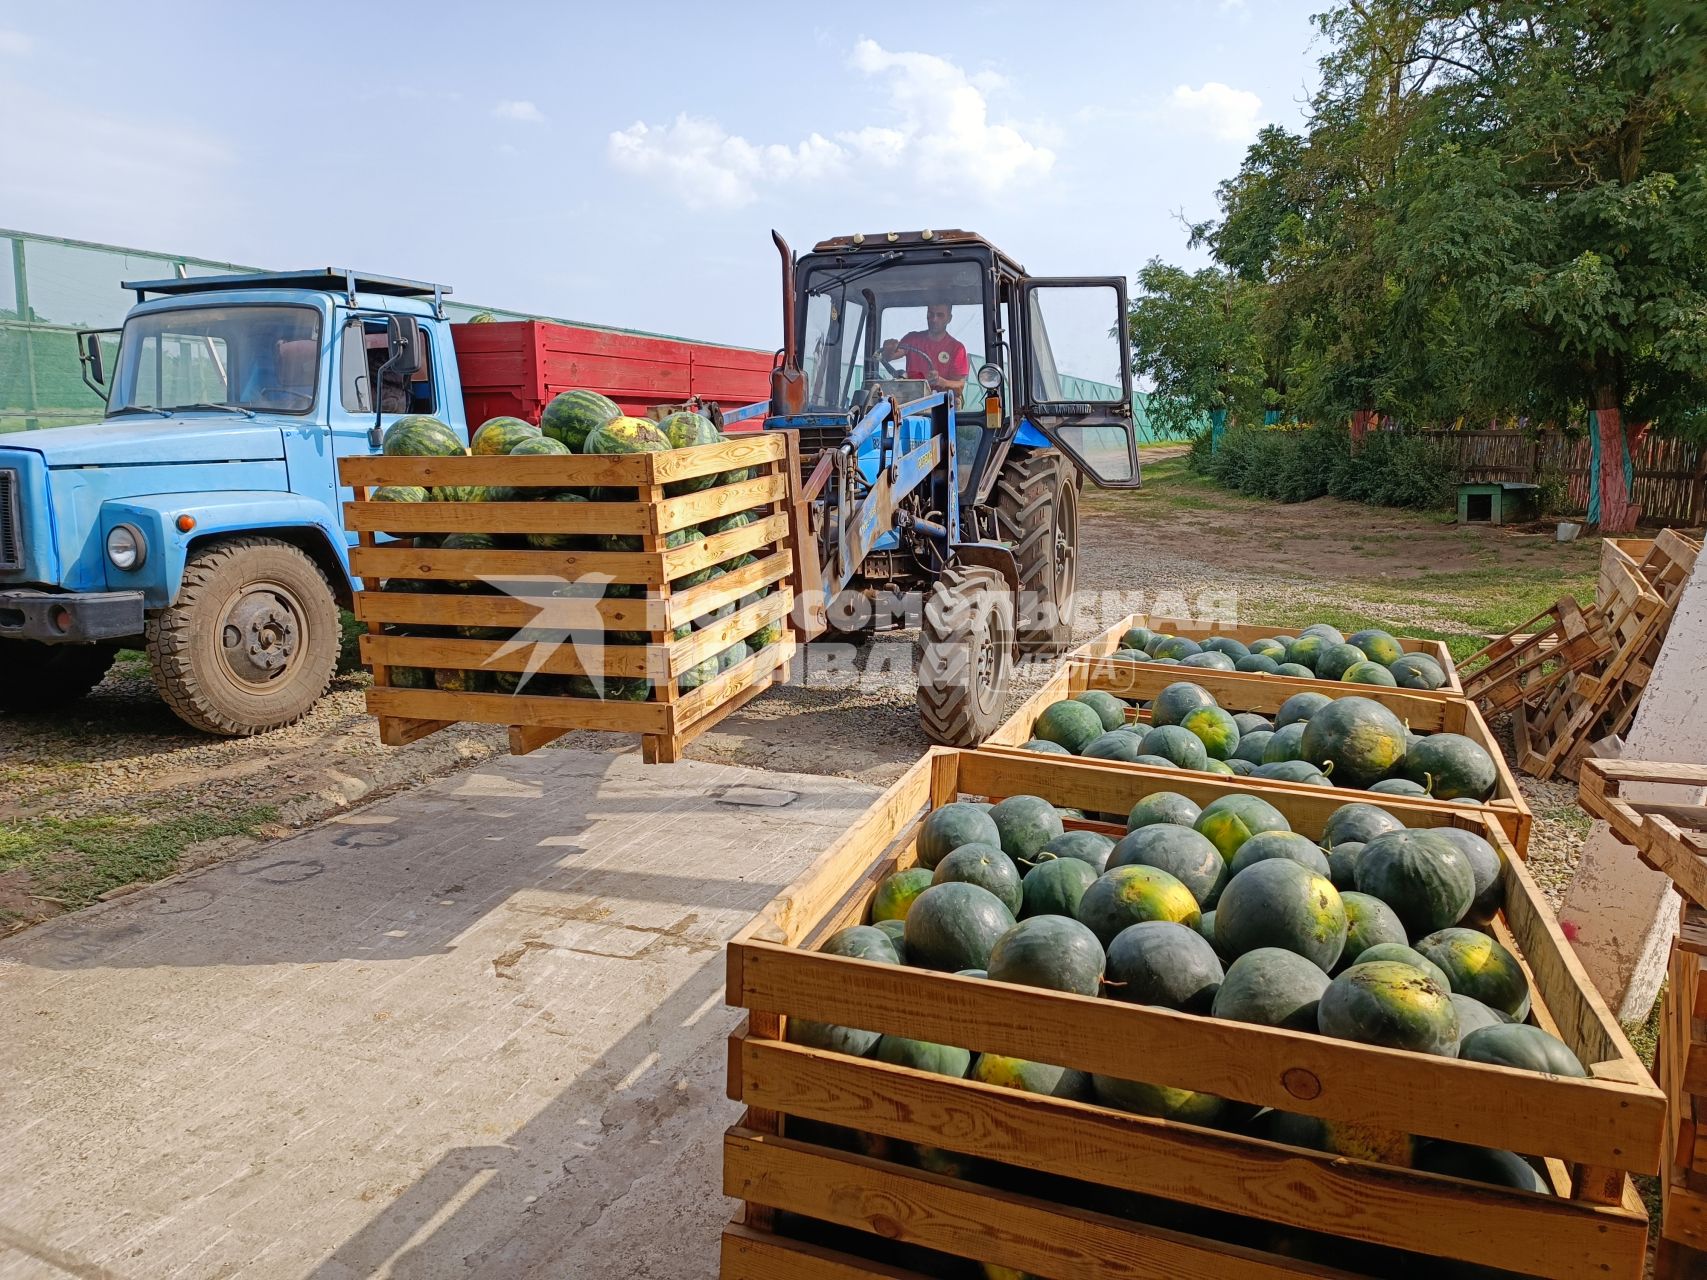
x=946, y=355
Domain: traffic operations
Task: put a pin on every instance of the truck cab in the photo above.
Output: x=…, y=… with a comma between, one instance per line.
x=201, y=518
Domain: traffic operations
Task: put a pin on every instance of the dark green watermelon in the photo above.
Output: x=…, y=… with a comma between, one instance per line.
x=1480, y=968
x=1259, y=663
x=1487, y=864
x=1359, y=821
x=1252, y=745
x=1451, y=766
x=1163, y=806
x=1355, y=741
x=1367, y=672
x=1165, y=1102
x=1044, y=747
x=1136, y=637
x=861, y=942
x=1240, y=768
x=1482, y=1164
x=1115, y=745
x=1050, y=951
x=953, y=926
x=824, y=1035
x=1173, y=702
x=897, y=892
x=574, y=415
x=897, y=933
x=1055, y=885
x=1176, y=647
x=1517, y=1044
x=1425, y=879
x=1125, y=895
x=1393, y=1005
x=1297, y=670
x=921, y=1055
x=1473, y=1015
x=1307, y=650
x=1185, y=854
x=1285, y=743
x=1418, y=671
x=1158, y=962
x=949, y=826
x=1251, y=722
x=1300, y=706
x=1272, y=646
x=986, y=866
x=1396, y=787
x=1208, y=661
x=539, y=446
x=1229, y=821
x=1280, y=903
x=1342, y=864
x=1369, y=922
x=1329, y=634
x=1225, y=644
x=1215, y=729
x=1300, y=771
x=1110, y=708
x=1090, y=847
x=1025, y=824
x=1271, y=987
x=1155, y=762
x=1399, y=953
x=1337, y=660
x=1278, y=844
x=1180, y=746
x=421, y=436
x=1071, y=723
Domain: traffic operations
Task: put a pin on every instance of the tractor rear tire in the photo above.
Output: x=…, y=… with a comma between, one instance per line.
x=40, y=677
x=1037, y=504
x=966, y=656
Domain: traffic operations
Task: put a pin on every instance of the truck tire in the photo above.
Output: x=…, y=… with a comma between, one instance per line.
x=966, y=656
x=40, y=677
x=1037, y=504
x=252, y=641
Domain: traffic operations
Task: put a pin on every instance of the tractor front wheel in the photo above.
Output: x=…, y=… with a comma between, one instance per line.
x=1037, y=501
x=966, y=656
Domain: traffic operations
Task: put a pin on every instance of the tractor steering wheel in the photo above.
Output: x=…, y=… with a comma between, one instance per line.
x=900, y=375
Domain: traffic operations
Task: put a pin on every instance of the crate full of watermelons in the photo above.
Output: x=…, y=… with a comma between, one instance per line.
x=602, y=573
x=1037, y=1014
x=1409, y=745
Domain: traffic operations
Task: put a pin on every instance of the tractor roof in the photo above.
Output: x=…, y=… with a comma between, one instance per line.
x=868, y=241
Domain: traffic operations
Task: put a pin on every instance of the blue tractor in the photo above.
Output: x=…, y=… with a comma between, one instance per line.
x=948, y=405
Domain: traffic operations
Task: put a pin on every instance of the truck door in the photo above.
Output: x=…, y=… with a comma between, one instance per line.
x=1073, y=379
x=361, y=349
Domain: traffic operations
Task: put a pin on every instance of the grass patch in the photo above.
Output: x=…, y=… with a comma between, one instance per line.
x=132, y=662
x=73, y=861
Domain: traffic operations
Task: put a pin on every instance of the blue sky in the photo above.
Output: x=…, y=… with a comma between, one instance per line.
x=624, y=164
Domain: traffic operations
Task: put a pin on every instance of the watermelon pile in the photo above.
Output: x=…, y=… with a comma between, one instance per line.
x=1374, y=933
x=577, y=421
x=1318, y=652
x=1314, y=739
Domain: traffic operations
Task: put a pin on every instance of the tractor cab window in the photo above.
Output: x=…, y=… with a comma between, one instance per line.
x=364, y=351
x=911, y=325
x=1074, y=343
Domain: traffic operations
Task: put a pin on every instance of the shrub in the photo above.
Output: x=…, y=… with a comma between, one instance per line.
x=1295, y=464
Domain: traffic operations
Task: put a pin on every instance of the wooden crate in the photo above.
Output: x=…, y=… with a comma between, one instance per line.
x=1555, y=644
x=1236, y=691
x=638, y=501
x=1200, y=630
x=1590, y=1133
x=1669, y=835
x=1680, y=1063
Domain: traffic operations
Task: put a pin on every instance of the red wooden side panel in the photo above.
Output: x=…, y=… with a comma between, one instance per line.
x=516, y=368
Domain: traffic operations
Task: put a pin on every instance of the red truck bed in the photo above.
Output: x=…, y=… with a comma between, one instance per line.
x=516, y=367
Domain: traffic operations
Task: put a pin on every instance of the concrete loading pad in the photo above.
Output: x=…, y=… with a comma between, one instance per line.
x=474, y=1030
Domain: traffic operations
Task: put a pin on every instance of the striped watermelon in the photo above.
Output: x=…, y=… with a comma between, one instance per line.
x=574, y=415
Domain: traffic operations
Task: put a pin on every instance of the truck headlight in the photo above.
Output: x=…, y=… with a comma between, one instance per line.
x=990, y=376
x=126, y=547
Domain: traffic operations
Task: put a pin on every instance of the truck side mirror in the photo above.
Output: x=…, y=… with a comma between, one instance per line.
x=403, y=346
x=89, y=356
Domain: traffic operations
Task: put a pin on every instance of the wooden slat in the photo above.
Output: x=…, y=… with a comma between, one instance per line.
x=758, y=1255
x=710, y=641
x=697, y=704
x=546, y=470
x=767, y=668
x=705, y=552
x=627, y=518
x=395, y=561
x=750, y=449
x=521, y=709
x=980, y=1222
x=505, y=611
x=709, y=504
x=434, y=652
x=709, y=597
x=1380, y=1204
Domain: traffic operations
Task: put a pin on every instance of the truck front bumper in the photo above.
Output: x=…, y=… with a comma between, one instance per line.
x=75, y=617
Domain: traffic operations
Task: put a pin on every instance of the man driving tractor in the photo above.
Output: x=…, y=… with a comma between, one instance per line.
x=933, y=354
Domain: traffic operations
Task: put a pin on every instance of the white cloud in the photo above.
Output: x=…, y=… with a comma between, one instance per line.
x=15, y=43
x=1231, y=115
x=523, y=111
x=938, y=123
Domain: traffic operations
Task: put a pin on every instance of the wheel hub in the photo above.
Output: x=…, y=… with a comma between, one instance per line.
x=260, y=637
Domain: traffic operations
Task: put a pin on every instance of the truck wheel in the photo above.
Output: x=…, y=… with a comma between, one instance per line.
x=1037, y=502
x=252, y=641
x=966, y=655
x=40, y=677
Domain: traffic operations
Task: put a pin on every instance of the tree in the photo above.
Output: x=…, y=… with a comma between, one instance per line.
x=1194, y=335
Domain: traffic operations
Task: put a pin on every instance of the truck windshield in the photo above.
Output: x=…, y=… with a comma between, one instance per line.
x=261, y=358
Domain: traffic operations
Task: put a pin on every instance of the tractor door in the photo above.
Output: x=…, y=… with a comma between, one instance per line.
x=1073, y=373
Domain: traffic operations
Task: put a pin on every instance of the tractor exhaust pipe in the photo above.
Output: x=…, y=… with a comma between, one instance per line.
x=788, y=385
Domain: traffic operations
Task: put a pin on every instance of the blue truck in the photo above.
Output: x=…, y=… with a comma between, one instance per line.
x=201, y=519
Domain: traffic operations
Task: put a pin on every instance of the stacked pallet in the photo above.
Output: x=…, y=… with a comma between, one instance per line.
x=1671, y=837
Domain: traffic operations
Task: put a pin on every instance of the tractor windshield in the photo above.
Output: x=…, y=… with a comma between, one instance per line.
x=915, y=325
x=264, y=358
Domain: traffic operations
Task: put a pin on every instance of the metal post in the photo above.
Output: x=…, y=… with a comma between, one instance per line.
x=21, y=285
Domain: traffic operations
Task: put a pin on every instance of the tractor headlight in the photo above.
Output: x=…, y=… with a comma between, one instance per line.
x=126, y=547
x=989, y=376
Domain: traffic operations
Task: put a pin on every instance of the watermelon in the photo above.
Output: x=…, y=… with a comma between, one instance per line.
x=1399, y=953
x=1136, y=637
x=421, y=436
x=398, y=493
x=1050, y=951
x=1330, y=634
x=1231, y=820
x=1342, y=864
x=1214, y=729
x=684, y=429
x=1292, y=771
x=896, y=930
x=1297, y=670
x=1358, y=821
x=1221, y=767
x=1054, y=886
x=1393, y=1005
x=861, y=942
x=1172, y=704
x=834, y=1039
x=1251, y=722
x=468, y=542
x=1163, y=806
x=1234, y=649
x=1071, y=723
x=1158, y=962
x=1025, y=824
x=897, y=893
x=1487, y=864
x=1379, y=645
x=1155, y=762
x=1369, y=922
x=1359, y=737
x=1397, y=787
x=1300, y=706
x=1307, y=650
x=1481, y=1164
x=1260, y=663
x=1418, y=671
x=626, y=436
x=984, y=865
x=921, y=1055
x=539, y=446
x=574, y=415
x=1367, y=672
x=1336, y=661
x=1176, y=744
x=1176, y=647
x=1277, y=844
x=1281, y=903
x=1118, y=744
x=559, y=541
x=1183, y=853
x=1125, y=895
x=1089, y=847
x=1208, y=661
x=1251, y=746
x=1473, y=1015
x=1480, y=968
x=1030, y=1077
x=1271, y=987
x=953, y=926
x=1139, y=1098
x=411, y=678
x=1205, y=928
x=1271, y=647
x=949, y=826
x=1451, y=766
x=1110, y=708
x=1427, y=880
x=1044, y=747
x=1285, y=743
x=498, y=436
x=1517, y=1044
x=1240, y=768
